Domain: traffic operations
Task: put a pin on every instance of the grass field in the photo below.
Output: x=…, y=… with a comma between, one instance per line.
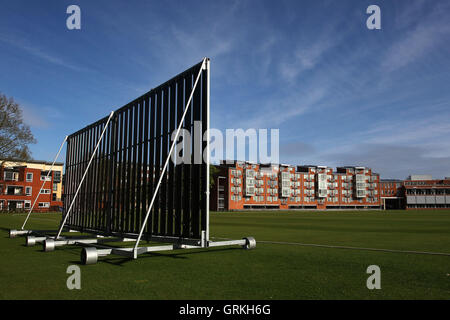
x=271, y=271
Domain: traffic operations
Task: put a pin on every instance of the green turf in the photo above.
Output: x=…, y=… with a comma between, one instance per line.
x=271, y=271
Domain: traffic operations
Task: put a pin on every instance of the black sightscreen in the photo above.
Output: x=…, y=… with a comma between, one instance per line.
x=121, y=180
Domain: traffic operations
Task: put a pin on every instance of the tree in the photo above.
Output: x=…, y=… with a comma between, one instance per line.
x=15, y=135
x=213, y=172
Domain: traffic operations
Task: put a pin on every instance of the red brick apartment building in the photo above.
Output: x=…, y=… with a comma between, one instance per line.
x=245, y=185
x=20, y=183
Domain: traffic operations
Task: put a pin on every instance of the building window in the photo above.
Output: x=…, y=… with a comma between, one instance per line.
x=44, y=205
x=45, y=191
x=27, y=204
x=29, y=177
x=44, y=176
x=55, y=187
x=11, y=176
x=28, y=191
x=54, y=197
x=57, y=176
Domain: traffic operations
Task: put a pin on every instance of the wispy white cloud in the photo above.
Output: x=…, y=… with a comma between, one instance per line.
x=432, y=31
x=279, y=109
x=306, y=57
x=39, y=53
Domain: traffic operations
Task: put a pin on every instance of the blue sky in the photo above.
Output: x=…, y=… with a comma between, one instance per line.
x=339, y=93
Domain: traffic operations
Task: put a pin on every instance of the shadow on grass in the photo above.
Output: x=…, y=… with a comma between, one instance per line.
x=6, y=230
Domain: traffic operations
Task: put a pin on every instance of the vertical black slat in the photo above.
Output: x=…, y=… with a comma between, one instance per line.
x=83, y=190
x=75, y=208
x=104, y=172
x=156, y=204
x=95, y=169
x=89, y=178
x=133, y=169
x=129, y=168
x=80, y=199
x=178, y=168
x=112, y=170
x=107, y=191
x=196, y=149
x=164, y=136
x=119, y=173
x=112, y=148
x=92, y=181
x=146, y=114
x=84, y=151
x=98, y=178
x=101, y=191
x=204, y=169
x=171, y=172
x=106, y=208
x=74, y=178
x=86, y=187
x=99, y=184
x=73, y=212
x=139, y=167
x=187, y=166
x=124, y=192
x=151, y=180
x=82, y=193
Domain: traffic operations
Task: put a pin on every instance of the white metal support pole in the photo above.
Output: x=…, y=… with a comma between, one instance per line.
x=208, y=156
x=167, y=160
x=45, y=180
x=84, y=175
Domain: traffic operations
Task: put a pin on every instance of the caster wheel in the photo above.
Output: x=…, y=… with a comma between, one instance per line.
x=89, y=255
x=250, y=243
x=49, y=245
x=30, y=241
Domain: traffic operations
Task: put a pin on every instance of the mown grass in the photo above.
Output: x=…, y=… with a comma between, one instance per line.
x=271, y=271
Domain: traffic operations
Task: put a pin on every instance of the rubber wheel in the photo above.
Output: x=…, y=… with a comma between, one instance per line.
x=89, y=255
x=250, y=243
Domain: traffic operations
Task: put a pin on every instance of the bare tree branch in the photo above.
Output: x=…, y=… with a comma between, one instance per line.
x=15, y=135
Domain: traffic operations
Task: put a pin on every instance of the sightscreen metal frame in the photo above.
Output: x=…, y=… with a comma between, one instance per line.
x=123, y=176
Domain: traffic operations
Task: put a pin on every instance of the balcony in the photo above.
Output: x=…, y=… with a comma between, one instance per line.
x=14, y=191
x=11, y=176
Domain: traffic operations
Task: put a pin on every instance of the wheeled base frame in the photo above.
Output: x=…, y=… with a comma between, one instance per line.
x=91, y=252
x=93, y=248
